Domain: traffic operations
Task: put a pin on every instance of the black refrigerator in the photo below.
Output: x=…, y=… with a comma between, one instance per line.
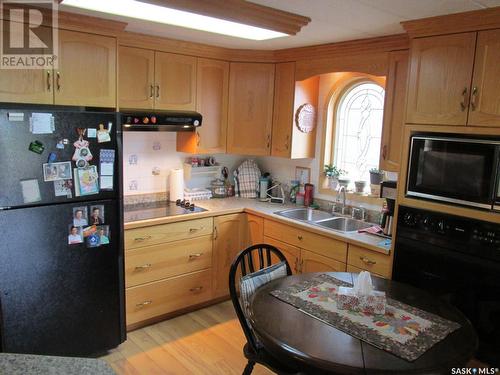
x=61, y=251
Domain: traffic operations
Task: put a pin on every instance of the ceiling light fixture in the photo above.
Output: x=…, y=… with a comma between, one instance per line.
x=162, y=14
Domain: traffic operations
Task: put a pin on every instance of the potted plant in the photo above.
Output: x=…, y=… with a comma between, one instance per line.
x=376, y=176
x=360, y=186
x=333, y=173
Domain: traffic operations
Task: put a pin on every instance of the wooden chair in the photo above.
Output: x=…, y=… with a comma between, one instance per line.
x=245, y=262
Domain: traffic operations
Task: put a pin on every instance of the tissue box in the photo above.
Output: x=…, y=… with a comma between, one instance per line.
x=373, y=303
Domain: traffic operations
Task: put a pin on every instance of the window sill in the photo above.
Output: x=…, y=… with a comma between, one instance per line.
x=355, y=197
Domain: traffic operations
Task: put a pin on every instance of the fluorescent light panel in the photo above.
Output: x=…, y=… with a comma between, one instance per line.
x=159, y=14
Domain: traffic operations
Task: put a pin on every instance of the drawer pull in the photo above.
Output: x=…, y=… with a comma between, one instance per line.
x=300, y=237
x=196, y=289
x=143, y=304
x=140, y=239
x=194, y=230
x=195, y=256
x=367, y=261
x=143, y=267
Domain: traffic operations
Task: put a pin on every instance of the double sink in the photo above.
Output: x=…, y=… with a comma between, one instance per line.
x=324, y=219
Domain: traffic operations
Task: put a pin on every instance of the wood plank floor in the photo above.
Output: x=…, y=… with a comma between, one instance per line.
x=207, y=341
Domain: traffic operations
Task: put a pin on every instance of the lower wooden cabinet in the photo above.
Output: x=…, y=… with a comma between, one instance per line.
x=255, y=230
x=154, y=299
x=312, y=262
x=368, y=260
x=229, y=239
x=291, y=253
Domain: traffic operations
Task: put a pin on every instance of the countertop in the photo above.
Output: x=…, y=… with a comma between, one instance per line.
x=22, y=364
x=217, y=207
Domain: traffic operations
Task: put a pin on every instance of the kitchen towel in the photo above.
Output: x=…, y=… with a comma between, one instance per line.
x=176, y=184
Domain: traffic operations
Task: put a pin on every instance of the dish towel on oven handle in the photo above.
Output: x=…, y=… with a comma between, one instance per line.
x=246, y=178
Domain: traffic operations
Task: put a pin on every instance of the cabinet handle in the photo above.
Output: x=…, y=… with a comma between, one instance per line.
x=48, y=81
x=151, y=91
x=194, y=230
x=143, y=304
x=473, y=98
x=301, y=266
x=157, y=91
x=287, y=142
x=143, y=267
x=384, y=152
x=215, y=233
x=196, y=289
x=140, y=239
x=296, y=265
x=367, y=261
x=58, y=81
x=195, y=256
x=198, y=139
x=463, y=103
x=268, y=140
x=299, y=237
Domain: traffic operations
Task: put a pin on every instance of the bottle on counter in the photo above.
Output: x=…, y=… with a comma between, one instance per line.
x=308, y=194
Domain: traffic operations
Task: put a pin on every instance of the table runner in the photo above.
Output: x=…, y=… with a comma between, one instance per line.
x=403, y=330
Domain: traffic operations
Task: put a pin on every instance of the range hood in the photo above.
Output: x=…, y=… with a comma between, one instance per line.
x=167, y=121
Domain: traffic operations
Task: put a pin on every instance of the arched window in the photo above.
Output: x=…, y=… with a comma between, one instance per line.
x=358, y=129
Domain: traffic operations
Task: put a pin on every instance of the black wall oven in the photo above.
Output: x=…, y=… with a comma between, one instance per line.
x=455, y=170
x=457, y=259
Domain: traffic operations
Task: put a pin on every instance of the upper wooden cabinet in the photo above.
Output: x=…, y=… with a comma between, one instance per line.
x=485, y=93
x=395, y=95
x=251, y=92
x=287, y=140
x=440, y=76
x=175, y=80
x=26, y=86
x=87, y=70
x=212, y=90
x=136, y=69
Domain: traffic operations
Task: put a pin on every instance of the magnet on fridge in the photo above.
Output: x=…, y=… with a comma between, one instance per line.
x=92, y=240
x=91, y=132
x=103, y=233
x=103, y=134
x=60, y=145
x=52, y=158
x=37, y=147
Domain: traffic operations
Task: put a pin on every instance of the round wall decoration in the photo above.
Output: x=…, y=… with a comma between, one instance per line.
x=305, y=118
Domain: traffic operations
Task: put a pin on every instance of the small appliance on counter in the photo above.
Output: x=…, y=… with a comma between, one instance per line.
x=174, y=121
x=275, y=193
x=388, y=190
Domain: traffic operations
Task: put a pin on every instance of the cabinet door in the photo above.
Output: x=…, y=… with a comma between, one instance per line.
x=87, y=70
x=395, y=94
x=255, y=230
x=136, y=78
x=291, y=253
x=26, y=85
x=485, y=97
x=440, y=77
x=212, y=91
x=311, y=262
x=251, y=91
x=175, y=79
x=229, y=240
x=284, y=93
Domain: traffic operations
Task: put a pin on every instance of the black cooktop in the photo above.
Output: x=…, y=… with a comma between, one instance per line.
x=145, y=211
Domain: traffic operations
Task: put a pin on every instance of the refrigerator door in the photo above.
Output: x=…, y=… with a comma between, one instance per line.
x=28, y=141
x=59, y=298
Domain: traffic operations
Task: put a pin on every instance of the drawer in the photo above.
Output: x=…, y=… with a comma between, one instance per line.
x=369, y=260
x=161, y=297
x=354, y=269
x=322, y=245
x=311, y=262
x=151, y=263
x=157, y=234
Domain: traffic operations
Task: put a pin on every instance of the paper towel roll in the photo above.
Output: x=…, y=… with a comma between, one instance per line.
x=176, y=184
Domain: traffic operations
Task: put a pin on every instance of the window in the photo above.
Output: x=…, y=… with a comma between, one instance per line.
x=358, y=114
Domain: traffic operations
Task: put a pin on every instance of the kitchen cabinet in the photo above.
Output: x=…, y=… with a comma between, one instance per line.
x=229, y=240
x=26, y=86
x=287, y=140
x=136, y=68
x=369, y=260
x=250, y=112
x=312, y=262
x=453, y=80
x=394, y=106
x=175, y=80
x=291, y=253
x=255, y=230
x=485, y=92
x=86, y=75
x=212, y=93
x=168, y=267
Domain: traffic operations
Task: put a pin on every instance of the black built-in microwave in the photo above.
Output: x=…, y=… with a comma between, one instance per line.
x=456, y=170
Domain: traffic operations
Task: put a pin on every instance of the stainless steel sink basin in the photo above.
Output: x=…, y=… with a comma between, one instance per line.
x=343, y=224
x=304, y=214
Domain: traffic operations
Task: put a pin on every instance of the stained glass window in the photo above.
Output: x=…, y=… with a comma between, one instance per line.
x=358, y=129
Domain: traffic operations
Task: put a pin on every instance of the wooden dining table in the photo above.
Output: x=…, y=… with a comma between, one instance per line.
x=293, y=336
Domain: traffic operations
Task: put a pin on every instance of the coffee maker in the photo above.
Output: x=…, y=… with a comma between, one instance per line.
x=388, y=190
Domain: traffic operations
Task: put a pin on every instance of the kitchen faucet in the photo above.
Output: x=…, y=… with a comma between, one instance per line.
x=342, y=191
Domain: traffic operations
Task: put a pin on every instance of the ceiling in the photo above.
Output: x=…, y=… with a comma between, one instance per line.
x=332, y=21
